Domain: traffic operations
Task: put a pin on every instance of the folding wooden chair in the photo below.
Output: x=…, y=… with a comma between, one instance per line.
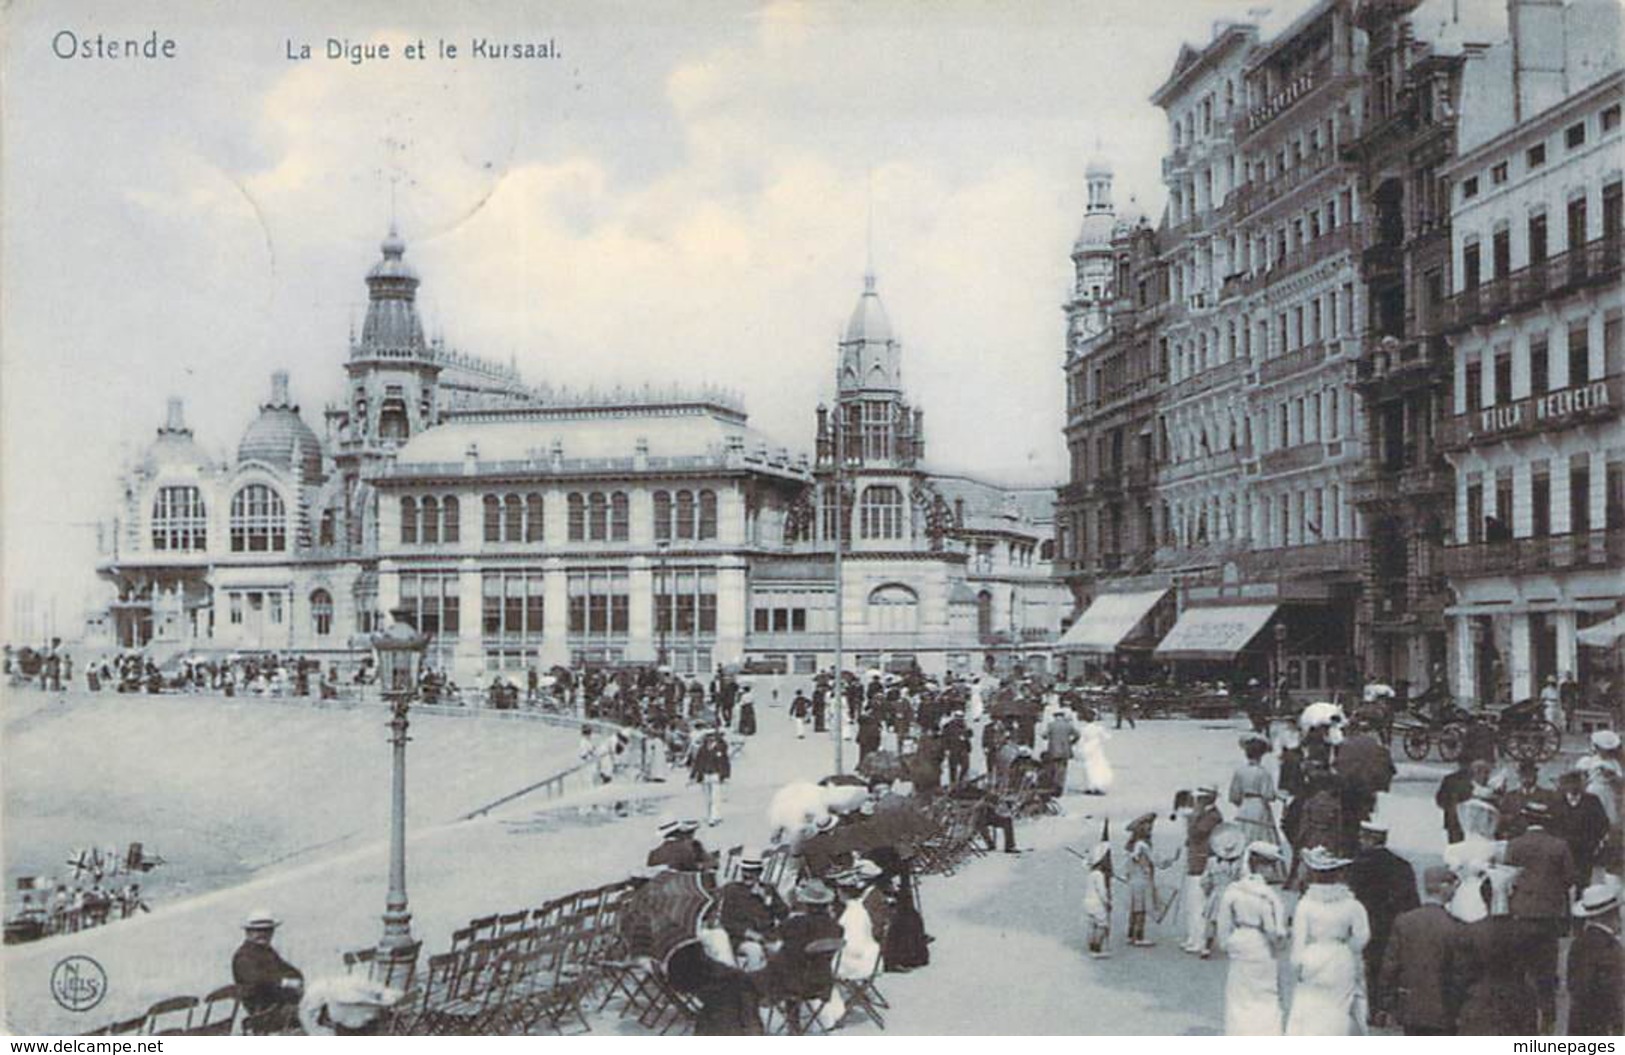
x=511, y=922
x=862, y=995
x=359, y=958
x=219, y=1013
x=728, y=871
x=462, y=938
x=172, y=1016
x=129, y=1026
x=420, y=1012
x=484, y=927
x=798, y=1013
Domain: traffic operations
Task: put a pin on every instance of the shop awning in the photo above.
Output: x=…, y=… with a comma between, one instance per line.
x=1605, y=634
x=1214, y=633
x=1110, y=618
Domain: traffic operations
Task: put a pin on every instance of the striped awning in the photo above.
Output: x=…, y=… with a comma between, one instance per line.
x=1220, y=632
x=1110, y=619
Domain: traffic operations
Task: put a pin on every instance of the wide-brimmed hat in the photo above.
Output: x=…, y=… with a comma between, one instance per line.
x=1597, y=899
x=814, y=892
x=827, y=821
x=750, y=861
x=866, y=869
x=1374, y=828
x=260, y=919
x=1536, y=810
x=1605, y=740
x=671, y=827
x=1227, y=842
x=688, y=826
x=1260, y=848
x=1207, y=791
x=1320, y=859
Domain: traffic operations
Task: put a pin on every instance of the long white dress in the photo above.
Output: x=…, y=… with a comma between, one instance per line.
x=1329, y=932
x=861, y=952
x=1473, y=859
x=1251, y=919
x=1097, y=771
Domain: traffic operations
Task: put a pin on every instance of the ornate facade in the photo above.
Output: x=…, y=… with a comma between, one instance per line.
x=522, y=527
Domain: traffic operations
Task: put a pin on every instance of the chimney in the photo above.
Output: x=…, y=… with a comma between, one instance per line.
x=1539, y=79
x=175, y=418
x=279, y=388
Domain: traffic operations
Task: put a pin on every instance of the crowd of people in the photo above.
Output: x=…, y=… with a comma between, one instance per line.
x=72, y=906
x=1474, y=950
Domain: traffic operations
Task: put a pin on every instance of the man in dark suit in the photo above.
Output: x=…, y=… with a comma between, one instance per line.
x=1421, y=981
x=1385, y=883
x=268, y=986
x=1597, y=966
x=1579, y=819
x=1540, y=903
x=751, y=909
x=1511, y=802
x=801, y=965
x=956, y=747
x=1454, y=789
x=679, y=850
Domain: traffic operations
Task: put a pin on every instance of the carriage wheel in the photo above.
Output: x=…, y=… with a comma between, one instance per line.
x=1417, y=744
x=1450, y=741
x=1551, y=742
x=1521, y=744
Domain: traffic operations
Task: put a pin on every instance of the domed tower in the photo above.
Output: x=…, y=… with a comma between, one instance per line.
x=1092, y=257
x=393, y=371
x=880, y=429
x=280, y=438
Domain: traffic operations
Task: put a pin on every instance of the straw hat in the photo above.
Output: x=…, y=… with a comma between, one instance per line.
x=1605, y=740
x=1320, y=859
x=260, y=919
x=814, y=892
x=1597, y=899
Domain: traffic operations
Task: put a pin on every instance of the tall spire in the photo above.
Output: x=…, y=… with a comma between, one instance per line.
x=392, y=325
x=869, y=236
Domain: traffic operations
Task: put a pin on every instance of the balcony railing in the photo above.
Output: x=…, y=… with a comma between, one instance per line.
x=1598, y=261
x=1207, y=380
x=1528, y=556
x=1420, y=484
x=1255, y=194
x=1292, y=459
x=1382, y=259
x=1566, y=408
x=1295, y=362
x=1288, y=96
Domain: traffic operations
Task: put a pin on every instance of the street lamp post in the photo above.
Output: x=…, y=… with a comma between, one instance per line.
x=400, y=653
x=1280, y=668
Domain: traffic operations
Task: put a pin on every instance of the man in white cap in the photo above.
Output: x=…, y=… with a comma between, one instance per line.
x=268, y=986
x=1597, y=965
x=1198, y=829
x=1605, y=772
x=1385, y=883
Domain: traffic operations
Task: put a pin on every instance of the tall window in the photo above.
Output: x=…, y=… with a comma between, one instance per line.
x=620, y=517
x=321, y=612
x=893, y=609
x=1579, y=353
x=431, y=601
x=662, y=504
x=598, y=517
x=685, y=515
x=259, y=521
x=431, y=520
x=685, y=603
x=178, y=519
x=533, y=517
x=708, y=514
x=599, y=604
x=327, y=534
x=409, y=521
x=452, y=528
x=578, y=517
x=513, y=518
x=493, y=518
x=882, y=512
x=877, y=431
x=511, y=605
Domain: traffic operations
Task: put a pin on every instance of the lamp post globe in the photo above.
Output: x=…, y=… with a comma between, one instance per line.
x=400, y=649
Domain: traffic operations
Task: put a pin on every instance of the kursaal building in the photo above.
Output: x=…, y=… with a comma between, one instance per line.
x=521, y=528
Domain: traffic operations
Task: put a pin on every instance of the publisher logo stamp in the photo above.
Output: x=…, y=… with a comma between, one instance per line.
x=78, y=983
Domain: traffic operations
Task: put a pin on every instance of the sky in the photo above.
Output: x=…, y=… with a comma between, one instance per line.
x=687, y=193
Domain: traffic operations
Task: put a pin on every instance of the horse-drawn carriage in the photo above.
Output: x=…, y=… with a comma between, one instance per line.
x=1520, y=731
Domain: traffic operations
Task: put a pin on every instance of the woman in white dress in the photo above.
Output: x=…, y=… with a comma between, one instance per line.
x=1329, y=932
x=1473, y=860
x=1252, y=924
x=1097, y=771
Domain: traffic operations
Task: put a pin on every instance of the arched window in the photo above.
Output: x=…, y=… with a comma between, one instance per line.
x=431, y=520
x=409, y=521
x=533, y=517
x=178, y=520
x=893, y=609
x=321, y=612
x=259, y=521
x=662, y=503
x=620, y=517
x=328, y=532
x=578, y=517
x=984, y=615
x=708, y=514
x=452, y=511
x=882, y=512
x=597, y=516
x=685, y=514
x=493, y=518
x=513, y=519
